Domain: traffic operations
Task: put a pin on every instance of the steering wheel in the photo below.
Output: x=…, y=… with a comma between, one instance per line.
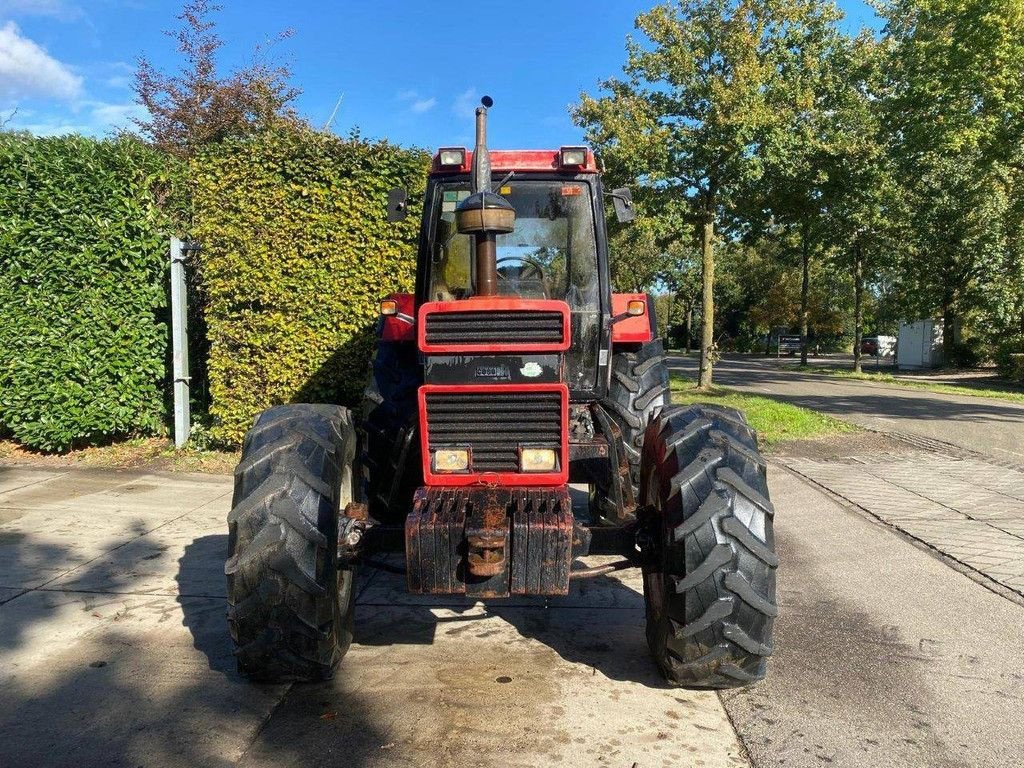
x=535, y=265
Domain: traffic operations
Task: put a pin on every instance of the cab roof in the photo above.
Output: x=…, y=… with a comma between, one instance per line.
x=524, y=160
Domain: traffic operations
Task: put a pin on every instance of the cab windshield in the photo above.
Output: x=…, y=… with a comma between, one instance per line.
x=551, y=254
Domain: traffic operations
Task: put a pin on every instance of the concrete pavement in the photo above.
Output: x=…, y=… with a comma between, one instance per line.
x=114, y=651
x=987, y=426
x=884, y=656
x=970, y=510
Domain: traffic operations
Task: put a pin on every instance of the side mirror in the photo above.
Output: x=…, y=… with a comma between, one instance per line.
x=622, y=199
x=398, y=204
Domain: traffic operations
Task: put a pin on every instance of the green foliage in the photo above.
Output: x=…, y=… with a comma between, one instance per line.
x=1010, y=358
x=83, y=332
x=716, y=92
x=965, y=354
x=296, y=254
x=955, y=113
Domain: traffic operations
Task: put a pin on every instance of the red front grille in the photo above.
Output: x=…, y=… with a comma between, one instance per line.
x=493, y=324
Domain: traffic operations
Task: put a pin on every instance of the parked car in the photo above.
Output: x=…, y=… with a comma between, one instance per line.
x=878, y=346
x=789, y=345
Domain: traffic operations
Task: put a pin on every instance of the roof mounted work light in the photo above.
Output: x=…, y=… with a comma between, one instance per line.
x=451, y=157
x=573, y=155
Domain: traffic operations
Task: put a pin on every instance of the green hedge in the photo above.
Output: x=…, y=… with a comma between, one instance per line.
x=1010, y=358
x=296, y=254
x=83, y=336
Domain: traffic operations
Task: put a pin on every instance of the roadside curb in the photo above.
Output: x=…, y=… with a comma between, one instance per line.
x=932, y=445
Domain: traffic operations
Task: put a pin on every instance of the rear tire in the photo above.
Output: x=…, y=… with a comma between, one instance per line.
x=390, y=451
x=639, y=390
x=290, y=604
x=709, y=587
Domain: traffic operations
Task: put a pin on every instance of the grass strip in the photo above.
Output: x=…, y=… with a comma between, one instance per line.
x=774, y=421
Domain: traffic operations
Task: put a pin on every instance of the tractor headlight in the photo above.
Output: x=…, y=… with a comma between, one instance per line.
x=451, y=460
x=573, y=155
x=451, y=156
x=538, y=460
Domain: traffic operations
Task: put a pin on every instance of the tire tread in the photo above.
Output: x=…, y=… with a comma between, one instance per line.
x=703, y=470
x=639, y=390
x=281, y=568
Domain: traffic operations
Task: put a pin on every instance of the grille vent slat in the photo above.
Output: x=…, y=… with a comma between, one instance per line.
x=494, y=425
x=469, y=327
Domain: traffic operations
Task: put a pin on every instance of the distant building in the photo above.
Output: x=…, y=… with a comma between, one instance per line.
x=920, y=345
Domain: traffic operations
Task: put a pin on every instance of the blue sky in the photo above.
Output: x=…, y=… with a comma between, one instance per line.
x=408, y=71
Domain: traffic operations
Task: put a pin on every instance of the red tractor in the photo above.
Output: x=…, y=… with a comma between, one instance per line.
x=517, y=418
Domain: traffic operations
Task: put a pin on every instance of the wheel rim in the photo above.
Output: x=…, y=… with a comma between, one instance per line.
x=344, y=593
x=654, y=580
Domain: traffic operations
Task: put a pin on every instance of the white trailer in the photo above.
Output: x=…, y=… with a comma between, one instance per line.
x=920, y=345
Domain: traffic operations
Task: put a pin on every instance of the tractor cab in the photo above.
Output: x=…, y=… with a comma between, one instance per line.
x=555, y=252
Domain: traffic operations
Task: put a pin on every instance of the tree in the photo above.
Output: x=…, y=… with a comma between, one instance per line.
x=811, y=60
x=197, y=107
x=955, y=111
x=864, y=211
x=640, y=251
x=687, y=117
x=683, y=280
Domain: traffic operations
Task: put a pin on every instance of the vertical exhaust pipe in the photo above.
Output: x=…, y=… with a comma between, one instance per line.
x=484, y=214
x=481, y=178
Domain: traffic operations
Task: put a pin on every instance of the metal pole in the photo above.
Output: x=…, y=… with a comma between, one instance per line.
x=179, y=345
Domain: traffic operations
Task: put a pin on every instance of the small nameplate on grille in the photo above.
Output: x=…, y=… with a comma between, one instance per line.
x=498, y=369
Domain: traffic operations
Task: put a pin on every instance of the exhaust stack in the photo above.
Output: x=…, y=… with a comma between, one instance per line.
x=481, y=178
x=484, y=214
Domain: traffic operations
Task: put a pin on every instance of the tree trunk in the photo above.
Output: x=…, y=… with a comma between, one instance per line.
x=948, y=331
x=805, y=260
x=707, y=340
x=688, y=325
x=858, y=303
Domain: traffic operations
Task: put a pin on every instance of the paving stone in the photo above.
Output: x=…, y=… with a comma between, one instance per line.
x=967, y=508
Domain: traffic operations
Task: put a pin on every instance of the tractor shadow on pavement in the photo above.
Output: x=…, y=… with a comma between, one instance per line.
x=107, y=675
x=200, y=573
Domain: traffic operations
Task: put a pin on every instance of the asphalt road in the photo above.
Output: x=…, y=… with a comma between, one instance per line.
x=991, y=427
x=114, y=651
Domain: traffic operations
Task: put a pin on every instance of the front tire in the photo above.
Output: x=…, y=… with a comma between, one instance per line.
x=709, y=587
x=290, y=604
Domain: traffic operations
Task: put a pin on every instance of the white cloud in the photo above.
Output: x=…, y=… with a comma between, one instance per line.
x=465, y=103
x=52, y=9
x=417, y=105
x=26, y=70
x=423, y=105
x=113, y=116
x=89, y=118
x=118, y=81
